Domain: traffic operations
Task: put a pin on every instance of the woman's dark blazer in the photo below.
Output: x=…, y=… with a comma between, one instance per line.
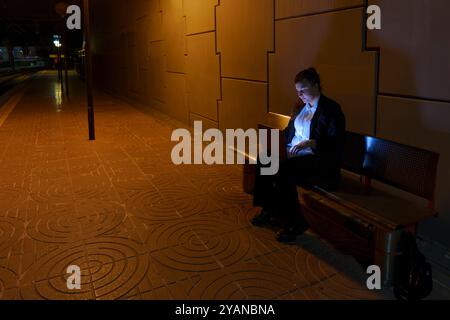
x=328, y=130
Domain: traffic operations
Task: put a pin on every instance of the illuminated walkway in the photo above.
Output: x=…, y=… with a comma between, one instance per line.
x=137, y=226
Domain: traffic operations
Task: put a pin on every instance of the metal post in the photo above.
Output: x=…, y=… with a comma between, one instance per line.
x=60, y=79
x=58, y=62
x=66, y=56
x=88, y=65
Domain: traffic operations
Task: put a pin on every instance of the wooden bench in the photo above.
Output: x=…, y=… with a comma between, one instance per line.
x=363, y=217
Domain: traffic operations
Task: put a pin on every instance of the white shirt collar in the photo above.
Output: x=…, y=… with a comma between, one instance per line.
x=315, y=104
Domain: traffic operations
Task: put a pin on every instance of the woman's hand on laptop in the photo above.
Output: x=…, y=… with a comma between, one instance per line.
x=302, y=146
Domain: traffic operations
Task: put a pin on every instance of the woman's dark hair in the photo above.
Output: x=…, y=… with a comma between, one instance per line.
x=309, y=75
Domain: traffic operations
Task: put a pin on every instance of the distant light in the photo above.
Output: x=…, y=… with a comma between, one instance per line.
x=57, y=40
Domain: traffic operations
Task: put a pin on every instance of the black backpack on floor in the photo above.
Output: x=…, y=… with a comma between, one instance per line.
x=413, y=275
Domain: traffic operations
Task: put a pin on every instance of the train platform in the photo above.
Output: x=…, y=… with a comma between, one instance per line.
x=137, y=226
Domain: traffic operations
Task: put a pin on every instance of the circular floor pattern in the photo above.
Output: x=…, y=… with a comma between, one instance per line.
x=229, y=191
x=92, y=188
x=229, y=248
x=86, y=220
x=8, y=280
x=151, y=206
x=11, y=197
x=256, y=282
x=114, y=280
x=340, y=287
x=171, y=234
x=84, y=167
x=11, y=174
x=11, y=230
x=79, y=152
x=60, y=192
x=185, y=259
x=138, y=184
x=214, y=224
x=46, y=154
x=313, y=268
x=205, y=175
x=245, y=214
x=174, y=191
x=202, y=174
x=110, y=266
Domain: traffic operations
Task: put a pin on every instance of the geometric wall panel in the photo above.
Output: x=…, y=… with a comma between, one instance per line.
x=206, y=123
x=203, y=75
x=132, y=72
x=244, y=36
x=243, y=105
x=155, y=27
x=174, y=26
x=142, y=42
x=157, y=73
x=200, y=15
x=116, y=8
x=415, y=48
x=140, y=9
x=289, y=8
x=122, y=63
x=175, y=96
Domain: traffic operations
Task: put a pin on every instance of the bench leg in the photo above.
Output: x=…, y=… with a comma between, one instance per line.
x=386, y=251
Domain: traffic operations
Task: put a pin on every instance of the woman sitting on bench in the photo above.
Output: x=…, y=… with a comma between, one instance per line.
x=315, y=139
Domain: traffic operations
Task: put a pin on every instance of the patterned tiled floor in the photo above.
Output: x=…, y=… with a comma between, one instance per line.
x=138, y=226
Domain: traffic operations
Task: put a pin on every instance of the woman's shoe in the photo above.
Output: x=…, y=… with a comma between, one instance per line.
x=289, y=235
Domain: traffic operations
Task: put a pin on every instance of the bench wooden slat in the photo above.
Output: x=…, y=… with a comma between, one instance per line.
x=345, y=208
